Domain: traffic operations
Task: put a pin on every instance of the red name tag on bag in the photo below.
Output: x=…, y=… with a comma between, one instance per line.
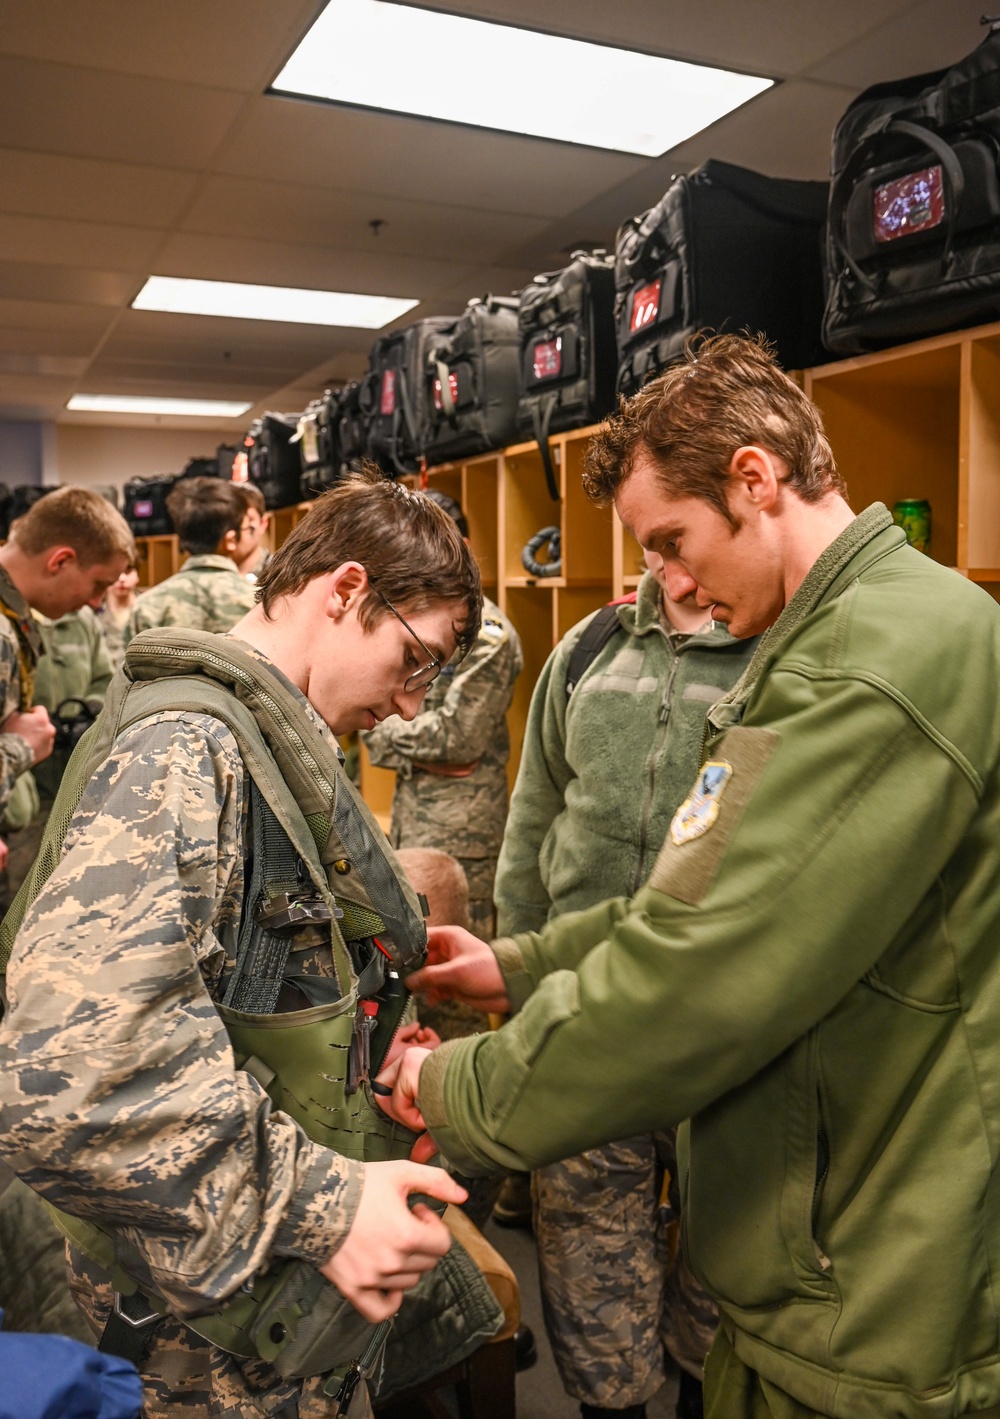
x=387, y=404
x=546, y=358
x=910, y=204
x=645, y=304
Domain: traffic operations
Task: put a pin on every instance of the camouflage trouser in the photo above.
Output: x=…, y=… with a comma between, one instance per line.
x=614, y=1290
x=480, y=873
x=185, y=1376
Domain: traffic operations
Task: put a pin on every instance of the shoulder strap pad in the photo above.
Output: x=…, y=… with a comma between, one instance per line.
x=595, y=637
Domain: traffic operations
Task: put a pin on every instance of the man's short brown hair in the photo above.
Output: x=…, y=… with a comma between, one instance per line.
x=77, y=518
x=729, y=391
x=203, y=510
x=252, y=497
x=409, y=547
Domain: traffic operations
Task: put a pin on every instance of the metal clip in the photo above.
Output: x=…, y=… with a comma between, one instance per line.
x=290, y=910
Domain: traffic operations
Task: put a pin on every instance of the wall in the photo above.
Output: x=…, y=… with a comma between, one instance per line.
x=90, y=454
x=20, y=452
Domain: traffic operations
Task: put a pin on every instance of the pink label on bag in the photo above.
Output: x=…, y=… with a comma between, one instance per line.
x=645, y=304
x=388, y=401
x=546, y=358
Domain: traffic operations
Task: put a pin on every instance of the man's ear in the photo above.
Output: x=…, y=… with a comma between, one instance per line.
x=228, y=544
x=58, y=557
x=756, y=476
x=346, y=585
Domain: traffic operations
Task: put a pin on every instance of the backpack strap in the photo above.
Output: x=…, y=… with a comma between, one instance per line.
x=598, y=631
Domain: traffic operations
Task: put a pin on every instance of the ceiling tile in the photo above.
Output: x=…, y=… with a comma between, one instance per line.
x=325, y=217
x=231, y=44
x=70, y=243
x=93, y=114
x=47, y=185
x=415, y=159
x=929, y=36
x=49, y=343
x=86, y=321
x=35, y=281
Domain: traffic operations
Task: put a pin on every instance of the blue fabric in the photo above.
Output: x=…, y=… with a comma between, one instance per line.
x=52, y=1377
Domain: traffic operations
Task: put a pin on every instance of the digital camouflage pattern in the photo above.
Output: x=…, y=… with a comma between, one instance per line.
x=207, y=594
x=462, y=724
x=15, y=752
x=114, y=627
x=602, y=773
x=119, y=1099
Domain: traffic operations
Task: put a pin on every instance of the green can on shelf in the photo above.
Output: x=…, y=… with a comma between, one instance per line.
x=913, y=515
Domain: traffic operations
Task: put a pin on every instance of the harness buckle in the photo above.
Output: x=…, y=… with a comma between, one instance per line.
x=290, y=910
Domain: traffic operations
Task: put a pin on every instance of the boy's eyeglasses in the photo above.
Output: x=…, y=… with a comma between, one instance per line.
x=425, y=674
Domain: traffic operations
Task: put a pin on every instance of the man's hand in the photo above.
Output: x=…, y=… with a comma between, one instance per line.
x=35, y=726
x=460, y=967
x=403, y=1078
x=389, y=1247
x=412, y=1034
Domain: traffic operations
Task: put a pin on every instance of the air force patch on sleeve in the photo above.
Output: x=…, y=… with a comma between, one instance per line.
x=701, y=808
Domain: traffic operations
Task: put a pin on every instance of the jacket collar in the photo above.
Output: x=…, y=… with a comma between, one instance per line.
x=868, y=538
x=20, y=613
x=644, y=615
x=210, y=559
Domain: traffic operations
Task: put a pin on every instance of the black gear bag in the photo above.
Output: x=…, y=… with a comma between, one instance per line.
x=144, y=505
x=273, y=460
x=724, y=248
x=393, y=395
x=913, y=245
x=467, y=401
x=350, y=430
x=316, y=437
x=569, y=357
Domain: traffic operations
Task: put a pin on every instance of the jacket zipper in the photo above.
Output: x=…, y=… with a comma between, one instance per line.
x=654, y=759
x=822, y=1172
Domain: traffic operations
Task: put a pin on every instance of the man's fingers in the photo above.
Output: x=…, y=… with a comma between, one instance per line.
x=375, y=1305
x=424, y=1149
x=436, y=1183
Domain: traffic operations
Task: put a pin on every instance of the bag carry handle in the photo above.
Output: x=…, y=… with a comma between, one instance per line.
x=951, y=168
x=444, y=379
x=402, y=415
x=540, y=423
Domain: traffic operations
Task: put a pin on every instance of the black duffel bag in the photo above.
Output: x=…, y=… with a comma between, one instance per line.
x=569, y=358
x=144, y=505
x=394, y=395
x=316, y=437
x=724, y=248
x=273, y=459
x=913, y=245
x=467, y=403
x=351, y=426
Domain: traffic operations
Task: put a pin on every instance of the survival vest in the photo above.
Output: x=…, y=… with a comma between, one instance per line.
x=320, y=866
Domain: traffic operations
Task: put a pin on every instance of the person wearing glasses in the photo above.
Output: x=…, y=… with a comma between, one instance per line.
x=451, y=760
x=120, y=1101
x=208, y=593
x=246, y=544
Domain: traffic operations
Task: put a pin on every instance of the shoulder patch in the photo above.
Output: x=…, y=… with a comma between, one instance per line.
x=493, y=631
x=701, y=808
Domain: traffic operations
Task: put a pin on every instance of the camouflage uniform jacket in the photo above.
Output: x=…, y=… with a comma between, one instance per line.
x=119, y=1098
x=603, y=770
x=462, y=723
x=15, y=752
x=207, y=594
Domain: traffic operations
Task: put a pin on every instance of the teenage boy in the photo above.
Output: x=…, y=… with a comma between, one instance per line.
x=810, y=975
x=208, y=871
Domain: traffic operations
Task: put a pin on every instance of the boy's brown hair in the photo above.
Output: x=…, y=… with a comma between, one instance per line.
x=203, y=510
x=728, y=392
x=252, y=497
x=409, y=547
x=77, y=518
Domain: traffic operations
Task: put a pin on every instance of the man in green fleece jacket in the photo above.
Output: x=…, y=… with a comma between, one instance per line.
x=811, y=974
x=610, y=750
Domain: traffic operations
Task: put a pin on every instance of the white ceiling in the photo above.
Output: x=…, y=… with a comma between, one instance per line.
x=137, y=138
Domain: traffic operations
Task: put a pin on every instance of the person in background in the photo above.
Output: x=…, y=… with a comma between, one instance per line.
x=246, y=544
x=115, y=612
x=208, y=593
x=612, y=743
x=66, y=551
x=451, y=760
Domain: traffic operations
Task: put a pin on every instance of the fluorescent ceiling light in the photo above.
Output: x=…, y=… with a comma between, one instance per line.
x=141, y=404
x=379, y=55
x=233, y=298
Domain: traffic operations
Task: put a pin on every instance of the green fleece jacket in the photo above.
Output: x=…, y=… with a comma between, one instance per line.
x=603, y=770
x=812, y=977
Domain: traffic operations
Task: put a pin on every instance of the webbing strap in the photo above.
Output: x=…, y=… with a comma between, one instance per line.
x=130, y=1328
x=262, y=955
